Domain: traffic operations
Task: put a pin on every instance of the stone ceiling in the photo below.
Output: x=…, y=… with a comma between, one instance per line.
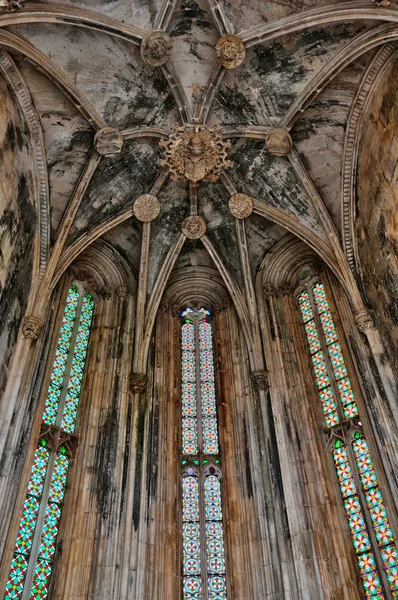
x=305, y=65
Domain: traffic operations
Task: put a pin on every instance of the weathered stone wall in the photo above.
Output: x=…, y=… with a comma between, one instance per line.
x=377, y=205
x=17, y=225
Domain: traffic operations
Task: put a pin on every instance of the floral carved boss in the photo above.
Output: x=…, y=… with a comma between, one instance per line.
x=195, y=152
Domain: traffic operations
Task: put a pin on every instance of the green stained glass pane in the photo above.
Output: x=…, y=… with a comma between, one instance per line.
x=328, y=328
x=321, y=302
x=191, y=537
x=77, y=369
x=41, y=580
x=345, y=391
x=28, y=523
x=337, y=360
x=16, y=578
x=208, y=400
x=389, y=555
x=214, y=537
x=312, y=336
x=356, y=522
x=320, y=370
x=371, y=584
x=366, y=563
x=61, y=356
x=350, y=411
x=392, y=576
x=329, y=407
x=305, y=306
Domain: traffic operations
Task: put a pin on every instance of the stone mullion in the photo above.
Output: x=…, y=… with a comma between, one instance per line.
x=240, y=552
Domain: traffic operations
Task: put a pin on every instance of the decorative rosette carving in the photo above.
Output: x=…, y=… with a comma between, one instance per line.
x=156, y=48
x=31, y=327
x=194, y=227
x=146, y=208
x=108, y=141
x=240, y=206
x=279, y=142
x=195, y=152
x=230, y=51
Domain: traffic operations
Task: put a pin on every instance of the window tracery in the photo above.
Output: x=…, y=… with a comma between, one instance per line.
x=371, y=533
x=202, y=520
x=35, y=546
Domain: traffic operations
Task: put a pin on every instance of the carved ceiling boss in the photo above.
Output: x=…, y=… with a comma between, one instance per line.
x=230, y=51
x=195, y=152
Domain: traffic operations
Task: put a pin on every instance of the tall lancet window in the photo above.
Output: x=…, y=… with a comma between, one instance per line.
x=35, y=546
x=202, y=521
x=367, y=518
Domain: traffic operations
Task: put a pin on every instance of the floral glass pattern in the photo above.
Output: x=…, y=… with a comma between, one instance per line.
x=337, y=397
x=36, y=540
x=202, y=535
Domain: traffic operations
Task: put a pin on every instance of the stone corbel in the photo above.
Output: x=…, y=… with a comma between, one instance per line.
x=364, y=321
x=259, y=381
x=138, y=382
x=31, y=327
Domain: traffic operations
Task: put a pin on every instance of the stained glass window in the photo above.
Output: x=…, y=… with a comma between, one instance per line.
x=367, y=518
x=35, y=546
x=203, y=539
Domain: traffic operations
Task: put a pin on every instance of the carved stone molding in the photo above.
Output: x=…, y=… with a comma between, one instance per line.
x=230, y=51
x=240, y=206
x=138, y=383
x=193, y=227
x=364, y=320
x=279, y=142
x=195, y=152
x=22, y=93
x=259, y=380
x=31, y=327
x=108, y=141
x=146, y=208
x=156, y=48
x=269, y=290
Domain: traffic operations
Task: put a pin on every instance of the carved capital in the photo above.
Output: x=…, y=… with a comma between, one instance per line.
x=146, y=208
x=285, y=289
x=138, y=383
x=11, y=5
x=175, y=310
x=230, y=51
x=194, y=227
x=122, y=293
x=156, y=48
x=164, y=305
x=269, y=290
x=108, y=141
x=240, y=206
x=106, y=293
x=259, y=380
x=31, y=327
x=279, y=142
x=364, y=320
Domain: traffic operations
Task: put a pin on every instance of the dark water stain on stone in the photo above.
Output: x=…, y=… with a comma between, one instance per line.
x=236, y=103
x=190, y=15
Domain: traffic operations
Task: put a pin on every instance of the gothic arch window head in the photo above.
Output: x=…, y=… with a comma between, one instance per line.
x=203, y=554
x=365, y=510
x=35, y=546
